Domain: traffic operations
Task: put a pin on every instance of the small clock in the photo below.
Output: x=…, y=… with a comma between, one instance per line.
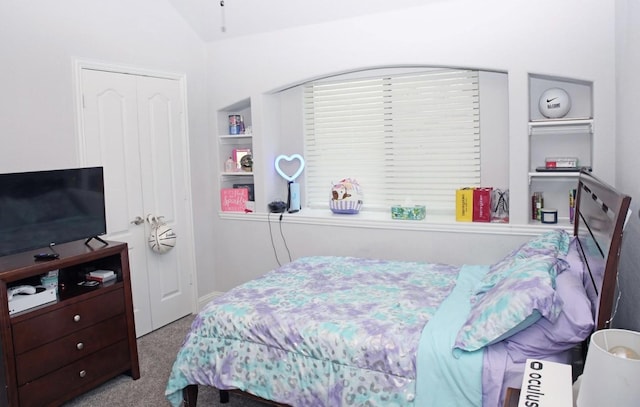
x=246, y=163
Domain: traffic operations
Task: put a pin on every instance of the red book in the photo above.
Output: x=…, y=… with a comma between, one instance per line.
x=101, y=279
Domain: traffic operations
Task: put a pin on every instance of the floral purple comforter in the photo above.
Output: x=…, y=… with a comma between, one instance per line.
x=320, y=331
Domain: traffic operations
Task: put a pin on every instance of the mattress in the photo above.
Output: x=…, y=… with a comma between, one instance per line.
x=319, y=331
x=343, y=331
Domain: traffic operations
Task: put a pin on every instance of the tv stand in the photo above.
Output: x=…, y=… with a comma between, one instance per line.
x=104, y=242
x=58, y=350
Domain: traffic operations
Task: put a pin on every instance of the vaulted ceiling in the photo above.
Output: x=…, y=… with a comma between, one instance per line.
x=216, y=20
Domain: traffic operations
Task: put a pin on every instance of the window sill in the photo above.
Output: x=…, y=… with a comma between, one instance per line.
x=380, y=220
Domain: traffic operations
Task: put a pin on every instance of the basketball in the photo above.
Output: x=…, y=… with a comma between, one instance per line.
x=162, y=239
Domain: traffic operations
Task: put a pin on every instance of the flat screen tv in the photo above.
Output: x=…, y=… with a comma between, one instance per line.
x=41, y=208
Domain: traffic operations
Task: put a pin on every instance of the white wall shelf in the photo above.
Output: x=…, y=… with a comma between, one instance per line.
x=227, y=143
x=235, y=137
x=560, y=175
x=561, y=126
x=569, y=136
x=237, y=174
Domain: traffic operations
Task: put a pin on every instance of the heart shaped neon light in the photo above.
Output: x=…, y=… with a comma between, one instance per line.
x=289, y=158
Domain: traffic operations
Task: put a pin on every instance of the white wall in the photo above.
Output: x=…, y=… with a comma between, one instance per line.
x=627, y=163
x=571, y=39
x=39, y=40
x=627, y=102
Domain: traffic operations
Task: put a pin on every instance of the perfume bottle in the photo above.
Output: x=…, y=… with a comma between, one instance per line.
x=229, y=165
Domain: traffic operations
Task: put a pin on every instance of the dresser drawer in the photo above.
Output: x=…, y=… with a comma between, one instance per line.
x=85, y=373
x=52, y=356
x=44, y=328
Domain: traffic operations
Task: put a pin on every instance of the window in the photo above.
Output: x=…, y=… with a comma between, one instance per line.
x=410, y=138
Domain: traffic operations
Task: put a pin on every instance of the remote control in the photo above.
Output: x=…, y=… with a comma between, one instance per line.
x=46, y=256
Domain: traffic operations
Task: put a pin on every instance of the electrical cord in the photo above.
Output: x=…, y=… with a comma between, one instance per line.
x=275, y=252
x=284, y=240
x=615, y=308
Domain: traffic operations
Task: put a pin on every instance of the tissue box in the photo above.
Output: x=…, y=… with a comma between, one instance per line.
x=417, y=212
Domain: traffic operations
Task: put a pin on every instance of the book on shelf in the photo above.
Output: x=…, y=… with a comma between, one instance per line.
x=101, y=279
x=105, y=277
x=102, y=273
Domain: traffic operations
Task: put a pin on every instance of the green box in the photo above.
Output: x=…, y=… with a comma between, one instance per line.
x=417, y=212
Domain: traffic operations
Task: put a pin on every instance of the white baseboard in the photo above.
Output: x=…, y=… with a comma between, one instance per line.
x=202, y=301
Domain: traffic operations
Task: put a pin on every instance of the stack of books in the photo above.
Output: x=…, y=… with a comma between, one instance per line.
x=104, y=277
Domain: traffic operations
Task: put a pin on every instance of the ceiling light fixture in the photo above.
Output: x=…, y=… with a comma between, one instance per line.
x=223, y=24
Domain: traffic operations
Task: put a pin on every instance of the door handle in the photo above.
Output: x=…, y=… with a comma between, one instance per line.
x=154, y=220
x=138, y=220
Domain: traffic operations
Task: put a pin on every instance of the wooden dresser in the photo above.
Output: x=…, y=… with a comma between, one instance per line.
x=59, y=350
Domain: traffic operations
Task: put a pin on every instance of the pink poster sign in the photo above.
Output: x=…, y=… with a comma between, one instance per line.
x=234, y=199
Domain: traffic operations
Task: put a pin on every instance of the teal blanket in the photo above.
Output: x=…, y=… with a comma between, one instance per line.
x=444, y=379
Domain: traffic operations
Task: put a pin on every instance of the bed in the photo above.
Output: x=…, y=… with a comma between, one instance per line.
x=338, y=331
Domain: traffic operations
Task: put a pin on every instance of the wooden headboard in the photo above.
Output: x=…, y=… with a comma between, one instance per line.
x=601, y=212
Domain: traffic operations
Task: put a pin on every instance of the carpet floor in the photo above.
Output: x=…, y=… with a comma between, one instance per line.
x=156, y=353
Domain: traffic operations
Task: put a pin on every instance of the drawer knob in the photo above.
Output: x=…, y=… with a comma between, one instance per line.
x=83, y=373
x=76, y=318
x=80, y=346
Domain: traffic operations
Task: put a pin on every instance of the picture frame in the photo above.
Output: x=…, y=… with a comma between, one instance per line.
x=238, y=153
x=250, y=187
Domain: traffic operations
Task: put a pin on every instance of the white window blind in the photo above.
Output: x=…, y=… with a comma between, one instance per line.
x=410, y=138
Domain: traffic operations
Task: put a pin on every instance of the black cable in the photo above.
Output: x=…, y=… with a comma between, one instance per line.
x=284, y=240
x=275, y=252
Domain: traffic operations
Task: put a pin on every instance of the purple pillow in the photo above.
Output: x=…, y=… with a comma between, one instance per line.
x=524, y=295
x=574, y=324
x=551, y=244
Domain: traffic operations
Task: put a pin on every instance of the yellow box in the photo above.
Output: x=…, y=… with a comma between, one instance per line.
x=464, y=205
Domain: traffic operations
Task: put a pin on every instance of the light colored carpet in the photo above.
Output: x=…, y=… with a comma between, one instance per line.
x=156, y=353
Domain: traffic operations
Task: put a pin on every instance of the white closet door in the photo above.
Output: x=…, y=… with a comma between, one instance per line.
x=133, y=126
x=164, y=173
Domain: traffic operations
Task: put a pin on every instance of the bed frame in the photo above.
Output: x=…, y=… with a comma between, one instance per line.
x=599, y=223
x=601, y=212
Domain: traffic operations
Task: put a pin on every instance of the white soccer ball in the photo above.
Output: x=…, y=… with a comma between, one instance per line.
x=162, y=239
x=554, y=103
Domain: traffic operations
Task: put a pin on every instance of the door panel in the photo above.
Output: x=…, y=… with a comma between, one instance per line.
x=161, y=123
x=110, y=130
x=133, y=127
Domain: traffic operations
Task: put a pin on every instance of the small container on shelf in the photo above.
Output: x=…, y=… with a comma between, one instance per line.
x=537, y=202
x=572, y=204
x=236, y=124
x=548, y=215
x=50, y=280
x=230, y=165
